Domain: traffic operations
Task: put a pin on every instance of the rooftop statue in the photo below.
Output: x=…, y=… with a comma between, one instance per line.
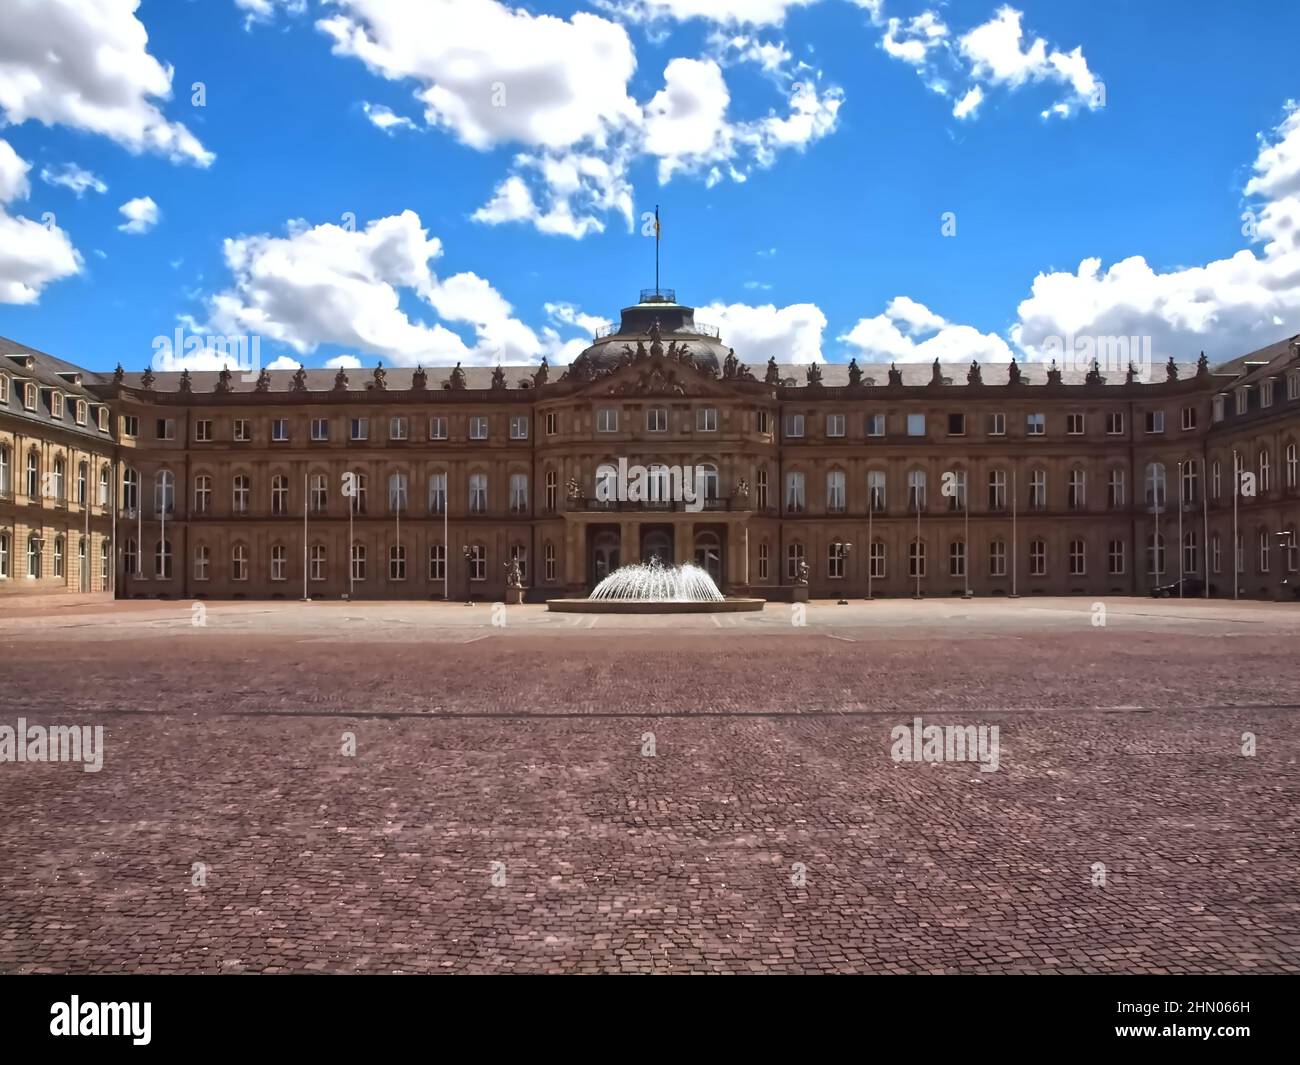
x=543, y=371
x=1013, y=372
x=457, y=378
x=936, y=374
x=381, y=378
x=1093, y=376
x=973, y=375
x=1171, y=370
x=263, y=381
x=1053, y=374
x=419, y=379
x=118, y=374
x=773, y=375
x=186, y=384
x=855, y=374
x=895, y=375
x=1203, y=365
x=730, y=363
x=146, y=379
x=223, y=379
x=300, y=379
x=814, y=374
x=498, y=378
x=340, y=381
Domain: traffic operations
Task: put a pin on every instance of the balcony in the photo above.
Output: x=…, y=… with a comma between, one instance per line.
x=662, y=506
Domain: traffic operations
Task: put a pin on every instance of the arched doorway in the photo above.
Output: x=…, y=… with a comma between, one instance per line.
x=657, y=541
x=604, y=555
x=708, y=554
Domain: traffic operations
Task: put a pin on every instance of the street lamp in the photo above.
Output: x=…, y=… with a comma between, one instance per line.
x=1285, y=545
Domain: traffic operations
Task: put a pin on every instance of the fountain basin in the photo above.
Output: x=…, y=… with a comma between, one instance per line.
x=653, y=606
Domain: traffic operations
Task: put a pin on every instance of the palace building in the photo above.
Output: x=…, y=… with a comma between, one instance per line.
x=933, y=480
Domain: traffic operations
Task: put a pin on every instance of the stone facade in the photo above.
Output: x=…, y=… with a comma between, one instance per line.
x=430, y=481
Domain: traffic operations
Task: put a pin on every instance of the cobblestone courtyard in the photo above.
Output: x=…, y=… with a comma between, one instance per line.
x=499, y=813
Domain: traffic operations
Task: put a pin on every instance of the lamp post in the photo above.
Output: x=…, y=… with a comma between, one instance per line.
x=1284, y=548
x=468, y=553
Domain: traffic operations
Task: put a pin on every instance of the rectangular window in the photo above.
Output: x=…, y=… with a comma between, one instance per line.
x=1293, y=385
x=437, y=562
x=203, y=430
x=360, y=428
x=956, y=425
x=165, y=429
x=437, y=428
x=397, y=428
x=916, y=425
x=875, y=425
x=1189, y=418
x=706, y=419
x=1078, y=559
x=1243, y=399
x=548, y=561
x=794, y=493
x=1265, y=394
x=552, y=423
x=1155, y=421
x=656, y=420
x=1035, y=424
x=4, y=389
x=997, y=558
x=102, y=414
x=519, y=427
x=997, y=425
x=1037, y=558
x=320, y=429
x=280, y=430
x=834, y=425
x=1115, y=558
x=794, y=426
x=478, y=427
x=81, y=412
x=1074, y=424
x=607, y=420
x=56, y=404
x=243, y=431
x=1217, y=414
x=1115, y=423
x=760, y=421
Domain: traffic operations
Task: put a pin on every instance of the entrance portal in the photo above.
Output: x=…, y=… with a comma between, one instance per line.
x=657, y=541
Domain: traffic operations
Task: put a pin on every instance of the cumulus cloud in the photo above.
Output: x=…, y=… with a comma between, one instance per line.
x=141, y=215
x=723, y=12
x=909, y=331
x=790, y=334
x=1227, y=306
x=330, y=285
x=385, y=118
x=31, y=254
x=87, y=66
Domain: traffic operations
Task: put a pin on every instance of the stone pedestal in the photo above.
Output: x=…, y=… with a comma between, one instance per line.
x=514, y=595
x=800, y=594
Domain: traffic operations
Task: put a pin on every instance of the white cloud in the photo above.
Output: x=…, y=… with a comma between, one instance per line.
x=386, y=119
x=264, y=10
x=1228, y=306
x=330, y=285
x=909, y=331
x=968, y=104
x=87, y=66
x=71, y=176
x=31, y=255
x=723, y=12
x=492, y=74
x=346, y=362
x=791, y=334
x=141, y=215
x=913, y=41
x=999, y=55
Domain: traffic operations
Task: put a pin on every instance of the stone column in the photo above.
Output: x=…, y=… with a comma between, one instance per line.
x=684, y=541
x=629, y=542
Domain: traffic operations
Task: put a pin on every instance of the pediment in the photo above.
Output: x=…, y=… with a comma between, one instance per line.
x=656, y=375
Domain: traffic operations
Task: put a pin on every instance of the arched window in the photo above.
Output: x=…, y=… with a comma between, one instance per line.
x=83, y=576
x=1115, y=489
x=398, y=499
x=355, y=489
x=33, y=476
x=1265, y=472
x=1076, y=489
x=239, y=494
x=1216, y=553
x=548, y=560
x=478, y=486
x=130, y=558
x=59, y=485
x=1292, y=464
x=997, y=557
x=1155, y=485
x=437, y=492
x=103, y=485
x=83, y=482
x=1155, y=554
x=4, y=556
x=876, y=490
x=279, y=494
x=1037, y=489
x=1191, y=551
x=33, y=557
x=877, y=560
x=437, y=562
x=760, y=487
x=915, y=490
x=103, y=564
x=957, y=558
x=519, y=553
x=319, y=493
x=1191, y=481
x=478, y=562
x=162, y=560
x=708, y=554
x=835, y=501
x=1216, y=480
x=764, y=560
x=130, y=490
x=1261, y=538
x=835, y=560
x=794, y=555
x=794, y=492
x=163, y=493
x=519, y=493
x=552, y=491
x=707, y=478
x=953, y=487
x=5, y=472
x=997, y=490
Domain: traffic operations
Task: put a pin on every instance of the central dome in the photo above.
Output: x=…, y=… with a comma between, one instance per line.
x=676, y=322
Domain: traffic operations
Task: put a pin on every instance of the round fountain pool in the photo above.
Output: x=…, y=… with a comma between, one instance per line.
x=653, y=588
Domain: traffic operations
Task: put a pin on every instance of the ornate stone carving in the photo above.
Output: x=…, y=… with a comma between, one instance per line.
x=543, y=372
x=146, y=379
x=973, y=375
x=773, y=375
x=814, y=374
x=573, y=489
x=498, y=379
x=801, y=573
x=1171, y=370
x=1131, y=375
x=380, y=378
x=118, y=374
x=730, y=364
x=419, y=379
x=1053, y=374
x=1093, y=376
x=263, y=381
x=1203, y=364
x=340, y=381
x=300, y=379
x=895, y=376
x=855, y=374
x=1013, y=373
x=186, y=383
x=223, y=380
x=936, y=374
x=457, y=381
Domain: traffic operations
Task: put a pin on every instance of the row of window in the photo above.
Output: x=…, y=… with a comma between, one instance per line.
x=52, y=483
x=995, y=424
x=240, y=561
x=1267, y=391
x=81, y=410
x=359, y=428
x=36, y=557
x=1037, y=557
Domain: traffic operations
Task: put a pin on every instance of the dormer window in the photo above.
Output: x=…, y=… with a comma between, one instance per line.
x=102, y=412
x=1243, y=398
x=29, y=396
x=56, y=404
x=81, y=412
x=4, y=389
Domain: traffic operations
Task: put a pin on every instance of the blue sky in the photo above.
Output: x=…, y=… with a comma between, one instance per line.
x=370, y=180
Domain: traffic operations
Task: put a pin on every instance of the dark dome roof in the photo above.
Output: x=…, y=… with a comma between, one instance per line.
x=676, y=322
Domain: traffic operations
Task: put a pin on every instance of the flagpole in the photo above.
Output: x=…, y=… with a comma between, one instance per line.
x=1236, y=485
x=656, y=251
x=446, y=545
x=1182, y=562
x=1015, y=556
x=871, y=540
x=305, y=491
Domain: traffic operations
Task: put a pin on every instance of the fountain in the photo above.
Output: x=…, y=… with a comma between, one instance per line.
x=653, y=588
